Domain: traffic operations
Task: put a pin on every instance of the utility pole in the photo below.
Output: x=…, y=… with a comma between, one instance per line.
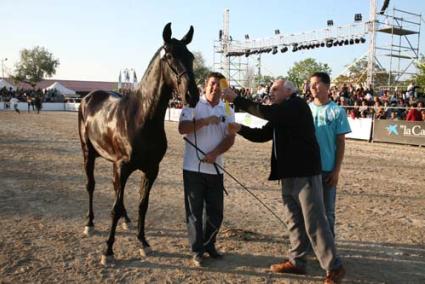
x=2, y=66
x=372, y=44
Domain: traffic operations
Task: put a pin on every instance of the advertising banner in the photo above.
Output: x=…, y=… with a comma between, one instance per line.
x=399, y=131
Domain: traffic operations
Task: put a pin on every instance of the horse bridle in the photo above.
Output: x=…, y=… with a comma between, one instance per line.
x=178, y=75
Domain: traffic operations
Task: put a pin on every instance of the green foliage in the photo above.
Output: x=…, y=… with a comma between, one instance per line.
x=35, y=65
x=420, y=75
x=357, y=74
x=263, y=80
x=303, y=69
x=200, y=70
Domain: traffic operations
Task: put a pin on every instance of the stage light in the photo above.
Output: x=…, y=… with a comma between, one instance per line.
x=247, y=36
x=351, y=41
x=284, y=49
x=317, y=45
x=247, y=52
x=329, y=43
x=357, y=17
x=276, y=32
x=384, y=6
x=335, y=43
x=357, y=40
x=362, y=40
x=220, y=35
x=322, y=44
x=346, y=42
x=274, y=50
x=330, y=23
x=294, y=47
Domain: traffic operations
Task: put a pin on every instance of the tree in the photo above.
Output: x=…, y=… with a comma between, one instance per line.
x=420, y=75
x=35, y=65
x=263, y=79
x=302, y=70
x=200, y=70
x=357, y=74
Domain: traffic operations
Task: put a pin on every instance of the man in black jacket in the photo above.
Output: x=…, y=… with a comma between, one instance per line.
x=295, y=160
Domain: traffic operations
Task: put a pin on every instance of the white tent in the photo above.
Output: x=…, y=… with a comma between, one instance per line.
x=4, y=83
x=61, y=89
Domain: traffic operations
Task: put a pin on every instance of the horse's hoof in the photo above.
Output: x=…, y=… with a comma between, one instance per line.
x=88, y=231
x=126, y=226
x=145, y=251
x=107, y=260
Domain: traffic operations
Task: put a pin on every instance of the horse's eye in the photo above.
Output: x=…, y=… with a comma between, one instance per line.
x=169, y=56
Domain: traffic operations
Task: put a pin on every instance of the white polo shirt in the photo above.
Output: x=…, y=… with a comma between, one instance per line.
x=207, y=137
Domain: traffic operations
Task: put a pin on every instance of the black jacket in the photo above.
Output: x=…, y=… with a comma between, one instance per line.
x=295, y=151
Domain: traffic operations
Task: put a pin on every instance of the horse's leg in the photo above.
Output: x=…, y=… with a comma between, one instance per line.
x=121, y=174
x=146, y=184
x=89, y=162
x=126, y=225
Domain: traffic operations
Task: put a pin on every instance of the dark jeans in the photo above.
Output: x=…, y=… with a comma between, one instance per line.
x=203, y=191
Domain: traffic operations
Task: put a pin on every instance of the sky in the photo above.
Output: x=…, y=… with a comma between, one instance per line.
x=95, y=39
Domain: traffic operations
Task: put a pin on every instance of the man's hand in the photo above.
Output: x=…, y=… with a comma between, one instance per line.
x=233, y=128
x=213, y=119
x=209, y=158
x=332, y=178
x=229, y=95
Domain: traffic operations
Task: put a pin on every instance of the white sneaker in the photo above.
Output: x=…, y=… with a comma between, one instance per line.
x=197, y=260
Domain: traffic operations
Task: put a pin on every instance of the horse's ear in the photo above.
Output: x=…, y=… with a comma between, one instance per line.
x=188, y=37
x=166, y=34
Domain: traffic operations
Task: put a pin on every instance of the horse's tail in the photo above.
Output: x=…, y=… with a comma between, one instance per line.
x=82, y=121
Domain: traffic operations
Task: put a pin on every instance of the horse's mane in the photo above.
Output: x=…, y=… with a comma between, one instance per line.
x=149, y=85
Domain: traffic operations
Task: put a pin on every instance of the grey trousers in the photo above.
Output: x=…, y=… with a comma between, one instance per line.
x=307, y=223
x=203, y=191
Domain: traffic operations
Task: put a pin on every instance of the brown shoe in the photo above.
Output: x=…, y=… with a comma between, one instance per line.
x=287, y=267
x=335, y=276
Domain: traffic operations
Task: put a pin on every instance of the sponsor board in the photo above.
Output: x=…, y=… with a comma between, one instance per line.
x=399, y=131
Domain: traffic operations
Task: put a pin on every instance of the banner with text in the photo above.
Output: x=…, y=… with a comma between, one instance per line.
x=399, y=131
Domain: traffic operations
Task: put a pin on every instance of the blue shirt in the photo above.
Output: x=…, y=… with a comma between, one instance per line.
x=330, y=120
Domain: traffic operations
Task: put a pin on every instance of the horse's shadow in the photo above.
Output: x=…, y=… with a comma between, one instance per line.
x=366, y=262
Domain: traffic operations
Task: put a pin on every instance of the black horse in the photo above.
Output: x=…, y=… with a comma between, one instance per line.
x=129, y=131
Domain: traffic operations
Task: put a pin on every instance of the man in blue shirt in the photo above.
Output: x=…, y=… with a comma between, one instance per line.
x=331, y=124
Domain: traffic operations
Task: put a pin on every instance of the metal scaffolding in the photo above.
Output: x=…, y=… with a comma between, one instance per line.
x=234, y=68
x=232, y=59
x=397, y=48
x=393, y=45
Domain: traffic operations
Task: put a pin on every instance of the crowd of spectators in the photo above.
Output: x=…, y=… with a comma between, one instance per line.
x=360, y=102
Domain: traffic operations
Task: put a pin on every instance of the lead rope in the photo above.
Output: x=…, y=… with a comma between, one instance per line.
x=237, y=181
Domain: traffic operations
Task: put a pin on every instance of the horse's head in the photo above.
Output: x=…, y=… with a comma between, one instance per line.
x=178, y=66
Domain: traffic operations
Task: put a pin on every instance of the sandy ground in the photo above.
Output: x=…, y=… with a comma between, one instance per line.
x=43, y=203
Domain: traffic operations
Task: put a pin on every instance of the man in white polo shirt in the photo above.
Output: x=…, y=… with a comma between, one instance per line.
x=206, y=127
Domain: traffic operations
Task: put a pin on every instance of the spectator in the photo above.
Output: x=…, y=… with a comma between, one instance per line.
x=14, y=102
x=413, y=114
